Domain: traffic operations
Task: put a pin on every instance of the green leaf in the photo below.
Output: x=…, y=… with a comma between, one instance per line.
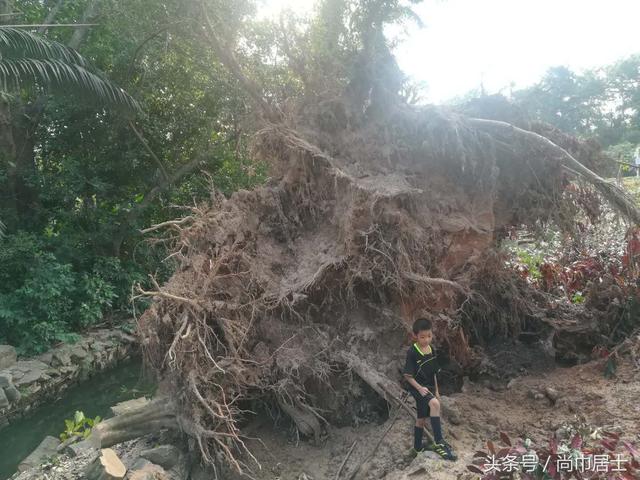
x=18, y=43
x=78, y=417
x=58, y=74
x=69, y=426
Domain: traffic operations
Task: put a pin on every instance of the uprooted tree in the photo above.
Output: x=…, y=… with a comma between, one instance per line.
x=376, y=211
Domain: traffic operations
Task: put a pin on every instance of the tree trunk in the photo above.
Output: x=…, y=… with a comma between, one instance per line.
x=157, y=415
x=80, y=33
x=618, y=198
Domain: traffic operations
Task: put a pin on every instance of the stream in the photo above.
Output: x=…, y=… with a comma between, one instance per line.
x=93, y=397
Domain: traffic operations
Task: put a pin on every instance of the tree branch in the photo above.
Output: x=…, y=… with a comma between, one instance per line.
x=50, y=18
x=79, y=35
x=228, y=60
x=614, y=194
x=149, y=151
x=135, y=212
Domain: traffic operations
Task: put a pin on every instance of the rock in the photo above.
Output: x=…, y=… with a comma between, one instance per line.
x=139, y=464
x=149, y=472
x=129, y=406
x=6, y=379
x=563, y=433
x=26, y=366
x=31, y=376
x=431, y=455
x=61, y=358
x=77, y=449
x=511, y=383
x=538, y=396
x=165, y=455
x=69, y=369
x=8, y=356
x=201, y=472
x=78, y=353
x=31, y=389
x=121, y=337
x=47, y=448
x=466, y=385
x=13, y=394
x=450, y=410
x=552, y=393
x=106, y=466
x=45, y=358
x=4, y=401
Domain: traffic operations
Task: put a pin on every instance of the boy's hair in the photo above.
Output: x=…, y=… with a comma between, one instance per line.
x=421, y=324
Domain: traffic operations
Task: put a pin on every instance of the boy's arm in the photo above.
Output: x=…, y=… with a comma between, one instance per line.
x=412, y=381
x=435, y=377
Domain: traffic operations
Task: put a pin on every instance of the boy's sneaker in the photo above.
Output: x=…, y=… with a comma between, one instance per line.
x=413, y=453
x=444, y=450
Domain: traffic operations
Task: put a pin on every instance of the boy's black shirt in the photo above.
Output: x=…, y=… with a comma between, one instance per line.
x=422, y=366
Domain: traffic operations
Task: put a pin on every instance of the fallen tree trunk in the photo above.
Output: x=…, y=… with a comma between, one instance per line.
x=622, y=202
x=159, y=414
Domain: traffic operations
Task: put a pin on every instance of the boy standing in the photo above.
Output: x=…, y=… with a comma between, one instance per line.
x=421, y=382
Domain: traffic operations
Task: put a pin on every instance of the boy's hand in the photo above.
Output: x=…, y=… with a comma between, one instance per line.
x=423, y=390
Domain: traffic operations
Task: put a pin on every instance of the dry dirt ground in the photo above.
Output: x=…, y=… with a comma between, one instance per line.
x=477, y=413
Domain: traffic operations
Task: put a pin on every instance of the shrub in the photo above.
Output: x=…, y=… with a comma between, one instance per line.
x=44, y=300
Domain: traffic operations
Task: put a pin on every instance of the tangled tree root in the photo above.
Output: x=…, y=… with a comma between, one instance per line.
x=366, y=224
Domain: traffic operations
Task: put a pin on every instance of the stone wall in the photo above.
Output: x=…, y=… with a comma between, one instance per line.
x=25, y=384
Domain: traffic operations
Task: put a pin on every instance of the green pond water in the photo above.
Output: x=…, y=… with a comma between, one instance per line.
x=93, y=397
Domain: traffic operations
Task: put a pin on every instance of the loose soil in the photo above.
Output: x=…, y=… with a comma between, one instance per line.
x=481, y=411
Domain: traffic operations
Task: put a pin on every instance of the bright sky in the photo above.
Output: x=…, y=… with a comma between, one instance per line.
x=496, y=42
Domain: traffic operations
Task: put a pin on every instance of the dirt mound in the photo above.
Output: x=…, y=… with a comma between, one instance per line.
x=295, y=293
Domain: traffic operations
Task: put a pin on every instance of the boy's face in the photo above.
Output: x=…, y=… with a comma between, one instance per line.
x=424, y=337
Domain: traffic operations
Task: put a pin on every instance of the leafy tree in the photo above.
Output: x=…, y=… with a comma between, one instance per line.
x=84, y=181
x=603, y=103
x=89, y=179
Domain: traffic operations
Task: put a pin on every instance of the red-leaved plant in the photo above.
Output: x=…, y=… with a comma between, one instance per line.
x=602, y=455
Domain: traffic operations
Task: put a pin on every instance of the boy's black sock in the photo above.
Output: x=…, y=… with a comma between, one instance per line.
x=437, y=429
x=417, y=438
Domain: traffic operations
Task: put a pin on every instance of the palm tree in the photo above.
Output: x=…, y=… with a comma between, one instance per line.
x=26, y=58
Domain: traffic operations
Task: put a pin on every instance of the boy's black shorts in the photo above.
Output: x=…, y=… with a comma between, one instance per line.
x=422, y=403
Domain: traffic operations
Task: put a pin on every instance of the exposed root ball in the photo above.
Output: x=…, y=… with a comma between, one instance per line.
x=365, y=225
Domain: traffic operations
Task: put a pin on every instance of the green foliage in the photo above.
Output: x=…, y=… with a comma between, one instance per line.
x=85, y=184
x=532, y=261
x=26, y=58
x=79, y=426
x=577, y=297
x=44, y=299
x=76, y=202
x=602, y=103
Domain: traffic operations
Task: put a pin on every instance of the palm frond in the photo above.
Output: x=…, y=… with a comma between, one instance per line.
x=17, y=43
x=61, y=75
